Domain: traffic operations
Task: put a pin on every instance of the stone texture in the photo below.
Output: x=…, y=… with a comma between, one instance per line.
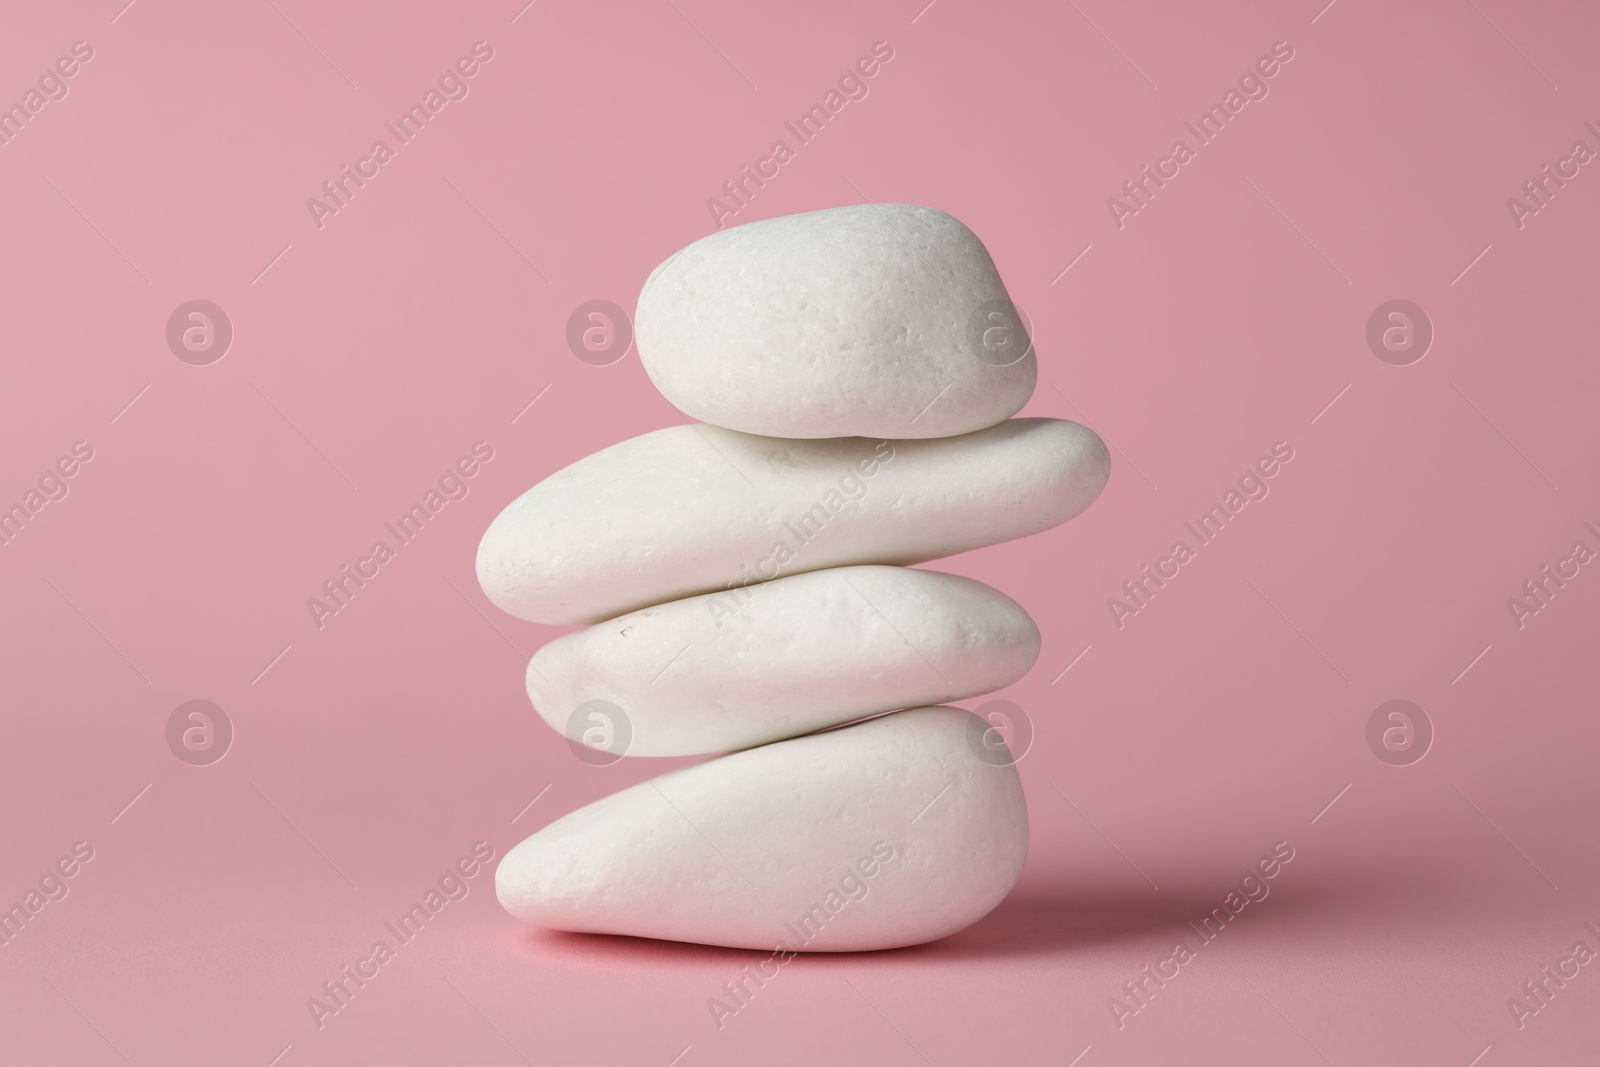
x=729, y=670
x=772, y=845
x=693, y=509
x=867, y=321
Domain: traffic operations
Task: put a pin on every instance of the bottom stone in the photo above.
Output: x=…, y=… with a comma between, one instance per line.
x=895, y=831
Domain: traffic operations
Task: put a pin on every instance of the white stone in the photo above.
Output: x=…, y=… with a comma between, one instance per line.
x=694, y=509
x=769, y=846
x=729, y=670
x=870, y=321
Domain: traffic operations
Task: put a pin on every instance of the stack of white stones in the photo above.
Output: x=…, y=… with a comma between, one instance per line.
x=745, y=579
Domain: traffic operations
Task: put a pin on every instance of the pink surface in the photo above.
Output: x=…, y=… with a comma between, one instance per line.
x=369, y=353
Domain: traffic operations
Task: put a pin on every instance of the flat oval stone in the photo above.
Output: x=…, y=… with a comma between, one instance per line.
x=729, y=670
x=694, y=509
x=875, y=320
x=891, y=832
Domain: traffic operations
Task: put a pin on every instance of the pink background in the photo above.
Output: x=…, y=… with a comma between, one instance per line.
x=426, y=315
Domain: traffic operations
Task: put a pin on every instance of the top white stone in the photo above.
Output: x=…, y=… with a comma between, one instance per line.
x=877, y=320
